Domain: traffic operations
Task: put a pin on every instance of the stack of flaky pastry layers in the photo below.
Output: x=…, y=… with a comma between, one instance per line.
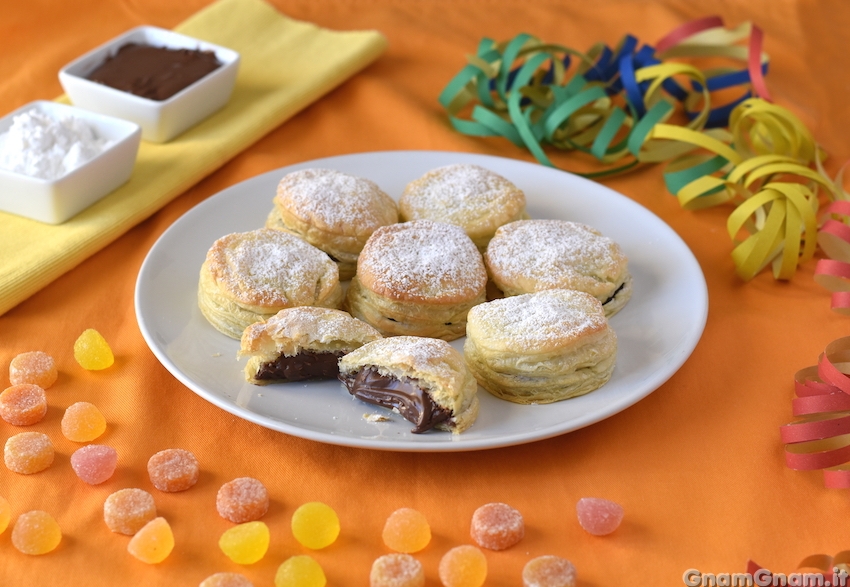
x=419, y=272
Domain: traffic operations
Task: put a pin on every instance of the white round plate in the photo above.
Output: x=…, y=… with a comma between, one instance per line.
x=657, y=330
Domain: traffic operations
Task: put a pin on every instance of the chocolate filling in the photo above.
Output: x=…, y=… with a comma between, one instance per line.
x=156, y=73
x=304, y=365
x=614, y=295
x=411, y=401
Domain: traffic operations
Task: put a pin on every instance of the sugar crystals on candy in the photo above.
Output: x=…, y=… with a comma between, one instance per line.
x=246, y=543
x=599, y=516
x=406, y=530
x=315, y=525
x=226, y=580
x=173, y=469
x=548, y=571
x=127, y=510
x=28, y=452
x=497, y=526
x=82, y=422
x=36, y=532
x=300, y=571
x=242, y=500
x=463, y=566
x=396, y=570
x=94, y=463
x=153, y=542
x=23, y=404
x=92, y=351
x=36, y=367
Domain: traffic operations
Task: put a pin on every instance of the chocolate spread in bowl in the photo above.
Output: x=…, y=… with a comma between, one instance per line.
x=411, y=401
x=156, y=73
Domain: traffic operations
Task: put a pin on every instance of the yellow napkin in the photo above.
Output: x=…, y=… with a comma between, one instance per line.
x=285, y=65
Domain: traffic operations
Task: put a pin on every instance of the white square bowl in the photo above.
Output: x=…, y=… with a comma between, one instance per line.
x=161, y=120
x=55, y=201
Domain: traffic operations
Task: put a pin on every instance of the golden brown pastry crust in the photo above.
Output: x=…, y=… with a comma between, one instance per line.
x=434, y=364
x=418, y=278
x=541, y=347
x=249, y=276
x=476, y=199
x=303, y=328
x=534, y=255
x=333, y=211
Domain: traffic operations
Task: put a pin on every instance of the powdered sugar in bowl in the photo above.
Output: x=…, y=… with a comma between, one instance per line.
x=56, y=160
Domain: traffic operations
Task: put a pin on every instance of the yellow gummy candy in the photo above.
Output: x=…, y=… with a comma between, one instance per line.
x=463, y=566
x=406, y=530
x=153, y=543
x=92, y=351
x=36, y=532
x=300, y=571
x=5, y=514
x=315, y=525
x=246, y=543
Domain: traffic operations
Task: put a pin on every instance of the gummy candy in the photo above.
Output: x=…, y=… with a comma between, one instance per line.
x=549, y=571
x=226, y=580
x=463, y=566
x=127, y=510
x=300, y=571
x=153, y=542
x=94, y=463
x=28, y=452
x=497, y=526
x=599, y=516
x=23, y=404
x=406, y=530
x=315, y=525
x=36, y=532
x=92, y=351
x=173, y=469
x=34, y=367
x=242, y=500
x=246, y=543
x=82, y=422
x=5, y=514
x=396, y=570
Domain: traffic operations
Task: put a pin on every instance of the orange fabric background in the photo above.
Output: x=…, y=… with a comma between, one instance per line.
x=697, y=465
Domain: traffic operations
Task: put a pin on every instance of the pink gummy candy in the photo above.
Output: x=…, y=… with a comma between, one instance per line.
x=599, y=516
x=94, y=463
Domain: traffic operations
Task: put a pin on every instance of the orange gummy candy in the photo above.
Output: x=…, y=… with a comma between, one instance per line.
x=83, y=422
x=28, y=452
x=34, y=367
x=497, y=526
x=173, y=469
x=396, y=570
x=549, y=571
x=226, y=580
x=242, y=500
x=153, y=542
x=127, y=510
x=23, y=404
x=36, y=532
x=406, y=530
x=463, y=566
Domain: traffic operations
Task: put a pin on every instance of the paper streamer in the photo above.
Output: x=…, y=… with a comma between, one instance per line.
x=820, y=438
x=833, y=273
x=637, y=104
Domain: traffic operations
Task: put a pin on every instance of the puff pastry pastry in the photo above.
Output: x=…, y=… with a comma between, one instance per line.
x=541, y=347
x=333, y=211
x=301, y=343
x=533, y=255
x=418, y=278
x=471, y=196
x=249, y=276
x=424, y=379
